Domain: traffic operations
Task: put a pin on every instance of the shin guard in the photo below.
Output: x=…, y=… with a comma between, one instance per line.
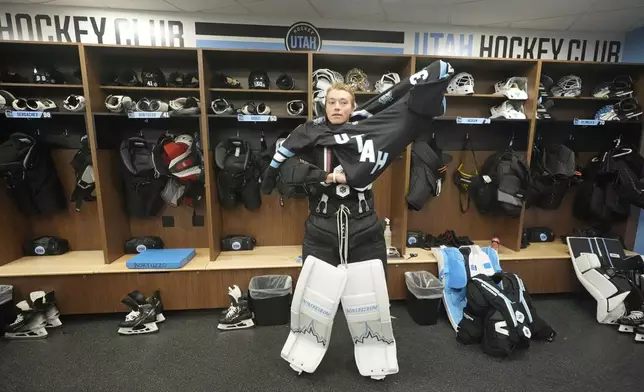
x=315, y=302
x=366, y=306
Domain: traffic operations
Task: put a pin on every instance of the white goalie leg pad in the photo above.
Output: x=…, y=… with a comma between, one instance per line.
x=366, y=306
x=315, y=302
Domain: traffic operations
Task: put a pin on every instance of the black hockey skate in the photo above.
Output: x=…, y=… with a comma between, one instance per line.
x=631, y=321
x=30, y=322
x=238, y=315
x=51, y=310
x=155, y=301
x=141, y=320
x=639, y=334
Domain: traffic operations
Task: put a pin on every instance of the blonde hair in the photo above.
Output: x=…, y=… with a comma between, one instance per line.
x=342, y=87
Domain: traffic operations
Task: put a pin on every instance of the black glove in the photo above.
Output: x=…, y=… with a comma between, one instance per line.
x=269, y=180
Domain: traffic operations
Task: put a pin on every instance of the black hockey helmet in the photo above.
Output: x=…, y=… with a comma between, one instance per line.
x=285, y=82
x=259, y=80
x=127, y=77
x=175, y=79
x=220, y=80
x=191, y=79
x=8, y=76
x=48, y=75
x=152, y=77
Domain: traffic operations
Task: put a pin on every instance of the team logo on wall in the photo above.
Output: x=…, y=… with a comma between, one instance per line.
x=303, y=36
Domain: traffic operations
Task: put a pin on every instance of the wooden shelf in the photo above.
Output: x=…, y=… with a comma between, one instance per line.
x=141, y=88
x=483, y=96
x=260, y=257
x=43, y=85
x=198, y=263
x=124, y=115
x=259, y=91
x=282, y=117
x=71, y=263
x=494, y=120
x=583, y=99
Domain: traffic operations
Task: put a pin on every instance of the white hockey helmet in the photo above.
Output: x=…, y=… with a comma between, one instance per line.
x=461, y=84
x=568, y=86
x=510, y=110
x=387, y=81
x=513, y=88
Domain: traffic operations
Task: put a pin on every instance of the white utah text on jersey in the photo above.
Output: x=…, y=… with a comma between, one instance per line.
x=366, y=149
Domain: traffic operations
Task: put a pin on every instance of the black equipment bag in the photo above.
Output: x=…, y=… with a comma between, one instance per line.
x=85, y=184
x=141, y=244
x=238, y=177
x=237, y=242
x=554, y=172
x=427, y=175
x=30, y=176
x=46, y=246
x=142, y=188
x=503, y=184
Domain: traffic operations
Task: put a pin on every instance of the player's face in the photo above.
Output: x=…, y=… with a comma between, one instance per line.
x=339, y=105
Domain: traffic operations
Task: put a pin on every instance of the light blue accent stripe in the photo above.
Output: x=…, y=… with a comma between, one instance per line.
x=361, y=49
x=275, y=164
x=284, y=151
x=224, y=44
x=425, y=42
x=416, y=42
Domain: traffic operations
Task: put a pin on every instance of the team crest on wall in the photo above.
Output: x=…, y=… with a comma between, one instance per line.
x=303, y=36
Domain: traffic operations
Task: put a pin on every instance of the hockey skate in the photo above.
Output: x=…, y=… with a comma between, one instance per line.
x=238, y=315
x=631, y=321
x=30, y=323
x=639, y=334
x=154, y=301
x=51, y=310
x=141, y=320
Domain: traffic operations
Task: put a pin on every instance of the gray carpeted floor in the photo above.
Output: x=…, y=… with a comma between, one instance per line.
x=190, y=354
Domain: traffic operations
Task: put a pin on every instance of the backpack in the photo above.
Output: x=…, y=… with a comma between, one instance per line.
x=30, y=176
x=238, y=177
x=85, y=184
x=554, y=172
x=503, y=184
x=142, y=187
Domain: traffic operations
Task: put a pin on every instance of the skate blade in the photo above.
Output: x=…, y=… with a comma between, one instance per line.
x=160, y=318
x=54, y=323
x=40, y=333
x=626, y=328
x=146, y=328
x=639, y=338
x=240, y=325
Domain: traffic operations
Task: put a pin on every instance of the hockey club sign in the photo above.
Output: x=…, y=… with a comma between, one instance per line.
x=303, y=36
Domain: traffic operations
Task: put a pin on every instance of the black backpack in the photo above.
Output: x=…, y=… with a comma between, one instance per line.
x=503, y=184
x=30, y=176
x=141, y=186
x=554, y=172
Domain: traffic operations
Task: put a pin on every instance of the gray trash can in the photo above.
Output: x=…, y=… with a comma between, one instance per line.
x=424, y=293
x=7, y=310
x=270, y=298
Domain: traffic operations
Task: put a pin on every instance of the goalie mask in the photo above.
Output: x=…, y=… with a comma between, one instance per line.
x=259, y=80
x=387, y=81
x=512, y=88
x=357, y=79
x=153, y=78
x=323, y=78
x=461, y=84
x=620, y=87
x=568, y=86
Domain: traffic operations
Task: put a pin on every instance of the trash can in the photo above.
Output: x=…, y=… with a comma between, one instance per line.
x=7, y=310
x=270, y=299
x=424, y=293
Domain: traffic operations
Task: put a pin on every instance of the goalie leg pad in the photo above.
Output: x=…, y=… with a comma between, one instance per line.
x=366, y=306
x=315, y=302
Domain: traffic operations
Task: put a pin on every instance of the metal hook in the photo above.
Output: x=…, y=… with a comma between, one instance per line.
x=66, y=133
x=511, y=140
x=38, y=131
x=140, y=132
x=618, y=141
x=467, y=135
x=237, y=133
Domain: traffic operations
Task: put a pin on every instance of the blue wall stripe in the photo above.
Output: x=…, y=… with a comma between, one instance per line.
x=425, y=42
x=361, y=49
x=416, y=42
x=225, y=44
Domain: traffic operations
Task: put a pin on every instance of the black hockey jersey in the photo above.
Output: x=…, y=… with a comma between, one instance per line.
x=378, y=131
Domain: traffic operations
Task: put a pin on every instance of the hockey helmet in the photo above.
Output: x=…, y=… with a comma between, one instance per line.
x=285, y=82
x=387, y=81
x=568, y=86
x=461, y=84
x=175, y=79
x=219, y=80
x=295, y=107
x=127, y=77
x=259, y=80
x=357, y=79
x=48, y=75
x=620, y=87
x=74, y=103
x=153, y=77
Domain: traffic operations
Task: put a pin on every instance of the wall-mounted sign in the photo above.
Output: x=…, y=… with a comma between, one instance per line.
x=303, y=36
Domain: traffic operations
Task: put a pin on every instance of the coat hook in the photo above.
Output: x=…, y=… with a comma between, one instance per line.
x=140, y=132
x=66, y=133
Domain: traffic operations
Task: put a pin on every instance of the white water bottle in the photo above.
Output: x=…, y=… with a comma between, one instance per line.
x=387, y=233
